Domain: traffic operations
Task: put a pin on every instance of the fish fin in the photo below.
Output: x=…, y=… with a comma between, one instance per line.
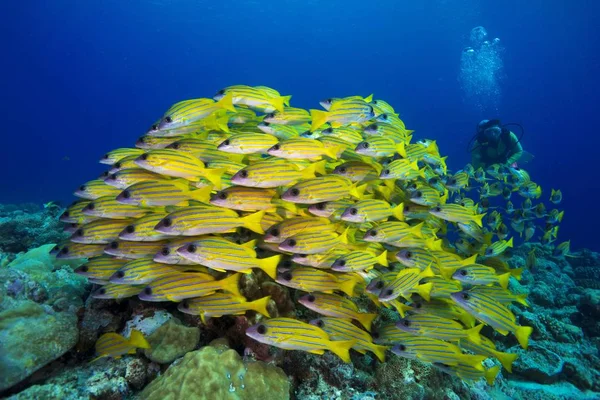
x=400, y=149
x=260, y=306
x=202, y=194
x=309, y=172
x=316, y=351
x=269, y=265
x=400, y=307
x=203, y=318
x=516, y=273
x=379, y=351
x=278, y=103
x=344, y=236
x=506, y=359
x=473, y=334
x=332, y=152
x=246, y=271
x=366, y=320
x=214, y=175
x=522, y=333
x=477, y=219
x=253, y=221
x=510, y=242
x=382, y=258
x=424, y=290
x=319, y=118
x=369, y=98
x=221, y=123
x=357, y=191
x=503, y=280
x=286, y=99
x=341, y=348
x=491, y=374
x=251, y=244
x=417, y=230
x=320, y=167
x=398, y=212
x=137, y=339
x=231, y=284
x=467, y=319
x=226, y=102
x=473, y=360
x=348, y=286
x=361, y=351
x=522, y=298
x=470, y=260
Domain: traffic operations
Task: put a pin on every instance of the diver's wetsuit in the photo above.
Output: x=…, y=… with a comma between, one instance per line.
x=507, y=151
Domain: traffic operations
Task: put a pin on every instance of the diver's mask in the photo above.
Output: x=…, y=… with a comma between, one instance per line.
x=489, y=131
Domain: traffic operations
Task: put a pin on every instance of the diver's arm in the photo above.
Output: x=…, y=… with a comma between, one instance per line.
x=476, y=157
x=516, y=151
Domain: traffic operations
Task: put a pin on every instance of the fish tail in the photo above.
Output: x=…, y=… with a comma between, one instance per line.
x=400, y=149
x=320, y=167
x=332, y=152
x=467, y=319
x=222, y=123
x=226, y=102
x=398, y=212
x=137, y=339
x=417, y=230
x=510, y=242
x=379, y=351
x=506, y=359
x=341, y=348
x=516, y=273
x=473, y=360
x=319, y=118
x=202, y=194
x=309, y=172
x=269, y=265
x=477, y=219
x=400, y=307
x=522, y=298
x=382, y=258
x=366, y=320
x=348, y=286
x=369, y=98
x=286, y=100
x=253, y=221
x=278, y=103
x=357, y=191
x=424, y=290
x=231, y=284
x=522, y=333
x=260, y=306
x=473, y=334
x=214, y=176
x=491, y=374
x=503, y=280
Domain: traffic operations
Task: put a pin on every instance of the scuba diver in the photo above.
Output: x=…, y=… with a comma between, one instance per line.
x=494, y=144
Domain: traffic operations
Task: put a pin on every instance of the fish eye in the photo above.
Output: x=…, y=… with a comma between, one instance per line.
x=389, y=292
x=406, y=322
x=113, y=177
x=185, y=305
x=408, y=254
x=407, y=208
x=489, y=251
x=465, y=296
x=375, y=335
x=225, y=142
x=295, y=192
x=276, y=147
x=328, y=131
x=91, y=206
x=301, y=255
x=165, y=251
x=168, y=119
x=438, y=209
x=66, y=214
x=143, y=157
x=167, y=221
x=82, y=188
x=463, y=272
x=328, y=101
x=148, y=291
x=84, y=268
x=120, y=274
x=373, y=233
x=291, y=242
x=364, y=145
x=342, y=170
x=130, y=229
x=222, y=91
x=401, y=347
x=379, y=285
x=114, y=245
x=386, y=171
x=418, y=193
x=341, y=263
x=102, y=291
x=222, y=195
x=243, y=173
x=192, y=248
x=320, y=323
x=261, y=329
x=418, y=305
x=126, y=194
x=274, y=232
x=311, y=298
x=175, y=146
x=383, y=116
x=154, y=127
x=353, y=211
x=320, y=206
x=64, y=250
x=106, y=155
x=117, y=164
x=78, y=232
x=286, y=264
x=287, y=276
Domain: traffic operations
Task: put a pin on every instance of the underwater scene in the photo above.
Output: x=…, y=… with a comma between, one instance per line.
x=304, y=200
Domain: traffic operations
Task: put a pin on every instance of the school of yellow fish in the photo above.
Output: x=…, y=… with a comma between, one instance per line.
x=340, y=202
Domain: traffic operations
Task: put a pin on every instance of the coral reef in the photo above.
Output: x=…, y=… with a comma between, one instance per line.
x=171, y=341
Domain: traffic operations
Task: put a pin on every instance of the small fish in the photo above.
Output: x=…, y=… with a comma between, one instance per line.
x=477, y=274
x=272, y=174
x=420, y=258
x=132, y=250
x=314, y=280
x=357, y=171
x=188, y=111
x=73, y=251
x=488, y=348
x=358, y=261
x=337, y=102
x=426, y=196
x=456, y=213
x=117, y=155
x=289, y=116
x=492, y=313
x=102, y=231
x=442, y=287
x=333, y=305
x=141, y=271
x=308, y=242
x=109, y=207
x=392, y=231
x=204, y=150
x=126, y=177
x=347, y=112
x=554, y=216
x=498, y=247
x=248, y=143
x=468, y=372
x=562, y=249
x=117, y=291
x=556, y=196
x=291, y=334
x=100, y=268
x=181, y=286
x=302, y=148
x=379, y=146
x=501, y=295
x=458, y=181
x=142, y=229
x=371, y=210
x=114, y=345
x=438, y=328
x=293, y=226
x=222, y=255
x=322, y=189
x=443, y=309
x=426, y=349
x=171, y=192
x=243, y=198
x=95, y=189
x=254, y=98
x=220, y=304
x=407, y=282
x=530, y=190
x=344, y=329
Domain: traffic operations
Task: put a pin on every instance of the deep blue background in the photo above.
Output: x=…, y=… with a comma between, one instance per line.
x=83, y=77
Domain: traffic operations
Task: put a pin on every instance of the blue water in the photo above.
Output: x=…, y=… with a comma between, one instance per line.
x=80, y=78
